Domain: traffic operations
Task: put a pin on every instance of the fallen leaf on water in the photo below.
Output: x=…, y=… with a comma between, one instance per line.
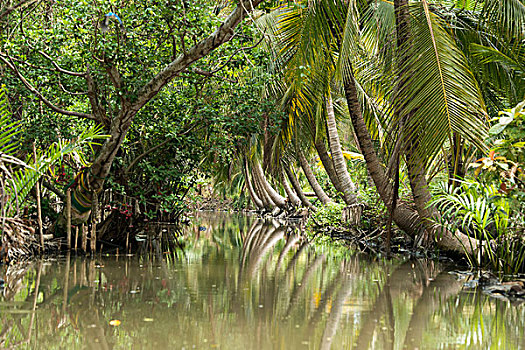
x=114, y=323
x=147, y=319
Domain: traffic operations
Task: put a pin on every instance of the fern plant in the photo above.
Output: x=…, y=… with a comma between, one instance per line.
x=481, y=212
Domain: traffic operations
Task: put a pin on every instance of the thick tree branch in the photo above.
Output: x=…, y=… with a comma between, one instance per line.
x=71, y=92
x=210, y=74
x=223, y=34
x=9, y=63
x=153, y=149
x=53, y=189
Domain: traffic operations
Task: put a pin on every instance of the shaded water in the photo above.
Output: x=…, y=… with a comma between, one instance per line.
x=241, y=283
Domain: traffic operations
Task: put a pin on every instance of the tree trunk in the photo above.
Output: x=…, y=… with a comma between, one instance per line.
x=339, y=161
x=416, y=170
x=263, y=195
x=279, y=200
x=121, y=123
x=297, y=187
x=328, y=164
x=256, y=200
x=407, y=220
x=294, y=199
x=319, y=192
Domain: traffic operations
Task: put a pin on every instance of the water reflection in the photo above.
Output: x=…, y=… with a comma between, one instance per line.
x=243, y=283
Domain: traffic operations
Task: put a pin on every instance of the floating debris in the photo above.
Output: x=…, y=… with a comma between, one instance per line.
x=115, y=323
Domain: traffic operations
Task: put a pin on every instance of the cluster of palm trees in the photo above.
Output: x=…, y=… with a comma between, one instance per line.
x=412, y=84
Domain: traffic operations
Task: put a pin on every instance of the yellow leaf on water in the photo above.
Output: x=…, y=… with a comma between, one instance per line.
x=114, y=323
x=147, y=319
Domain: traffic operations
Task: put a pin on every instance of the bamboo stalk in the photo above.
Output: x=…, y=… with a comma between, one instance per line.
x=68, y=218
x=83, y=228
x=94, y=207
x=38, y=205
x=76, y=237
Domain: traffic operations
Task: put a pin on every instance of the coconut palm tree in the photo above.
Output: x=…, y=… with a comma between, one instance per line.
x=434, y=94
x=307, y=95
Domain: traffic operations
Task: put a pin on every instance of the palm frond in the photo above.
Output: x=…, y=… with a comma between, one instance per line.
x=507, y=16
x=24, y=179
x=441, y=95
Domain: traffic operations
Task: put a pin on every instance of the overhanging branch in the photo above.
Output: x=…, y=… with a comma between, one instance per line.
x=9, y=63
x=221, y=35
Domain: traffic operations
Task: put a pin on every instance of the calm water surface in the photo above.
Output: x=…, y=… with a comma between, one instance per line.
x=241, y=283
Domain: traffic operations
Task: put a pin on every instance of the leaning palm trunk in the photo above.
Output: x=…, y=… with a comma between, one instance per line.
x=416, y=169
x=279, y=200
x=407, y=219
x=328, y=164
x=347, y=186
x=319, y=192
x=297, y=188
x=263, y=195
x=258, y=202
x=294, y=199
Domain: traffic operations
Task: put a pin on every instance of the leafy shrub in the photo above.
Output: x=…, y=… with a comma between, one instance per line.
x=330, y=214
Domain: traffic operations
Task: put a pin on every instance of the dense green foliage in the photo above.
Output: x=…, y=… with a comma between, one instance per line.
x=412, y=110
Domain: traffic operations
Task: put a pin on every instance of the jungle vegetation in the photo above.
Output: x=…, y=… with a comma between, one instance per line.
x=404, y=115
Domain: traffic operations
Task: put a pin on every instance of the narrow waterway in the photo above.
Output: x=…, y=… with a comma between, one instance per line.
x=237, y=282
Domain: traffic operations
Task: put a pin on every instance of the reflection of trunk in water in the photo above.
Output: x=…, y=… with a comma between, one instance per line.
x=299, y=290
x=290, y=242
x=396, y=280
x=295, y=258
x=252, y=245
x=395, y=284
x=33, y=314
x=252, y=232
x=335, y=314
x=329, y=291
x=436, y=293
x=66, y=284
x=257, y=233
x=390, y=320
x=256, y=257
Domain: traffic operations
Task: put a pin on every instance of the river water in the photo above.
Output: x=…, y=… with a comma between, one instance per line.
x=236, y=282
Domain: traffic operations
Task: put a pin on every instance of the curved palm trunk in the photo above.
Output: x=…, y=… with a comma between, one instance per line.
x=319, y=192
x=294, y=199
x=297, y=188
x=408, y=220
x=347, y=186
x=328, y=164
x=279, y=200
x=416, y=171
x=258, y=202
x=263, y=195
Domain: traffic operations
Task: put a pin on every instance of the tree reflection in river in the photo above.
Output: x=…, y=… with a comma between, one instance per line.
x=243, y=283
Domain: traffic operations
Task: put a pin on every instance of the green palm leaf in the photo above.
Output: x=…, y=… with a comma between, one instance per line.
x=507, y=16
x=441, y=95
x=26, y=177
